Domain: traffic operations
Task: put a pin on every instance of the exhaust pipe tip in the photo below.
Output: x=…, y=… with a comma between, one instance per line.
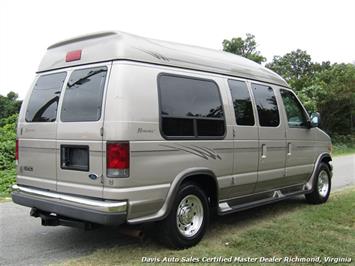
x=132, y=232
x=34, y=212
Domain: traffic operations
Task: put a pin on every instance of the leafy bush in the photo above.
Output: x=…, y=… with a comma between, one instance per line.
x=7, y=153
x=7, y=178
x=7, y=142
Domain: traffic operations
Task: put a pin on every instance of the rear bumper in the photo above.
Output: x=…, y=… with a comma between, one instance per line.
x=90, y=210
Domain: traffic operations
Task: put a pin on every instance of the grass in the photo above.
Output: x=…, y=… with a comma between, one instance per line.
x=343, y=150
x=291, y=228
x=343, y=145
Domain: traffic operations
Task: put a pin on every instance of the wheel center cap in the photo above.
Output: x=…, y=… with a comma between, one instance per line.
x=186, y=215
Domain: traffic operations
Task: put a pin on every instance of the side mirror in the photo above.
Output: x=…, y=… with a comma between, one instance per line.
x=315, y=119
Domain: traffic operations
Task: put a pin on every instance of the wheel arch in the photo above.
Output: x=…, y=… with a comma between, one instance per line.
x=323, y=157
x=196, y=175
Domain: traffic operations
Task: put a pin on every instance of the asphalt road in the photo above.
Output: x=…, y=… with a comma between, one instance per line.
x=23, y=241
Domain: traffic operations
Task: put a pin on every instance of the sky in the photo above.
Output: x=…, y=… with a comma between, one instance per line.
x=324, y=28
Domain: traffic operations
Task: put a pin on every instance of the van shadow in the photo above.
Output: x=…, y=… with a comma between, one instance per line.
x=107, y=237
x=222, y=225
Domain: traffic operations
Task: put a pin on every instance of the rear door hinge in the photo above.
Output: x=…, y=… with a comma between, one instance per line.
x=102, y=131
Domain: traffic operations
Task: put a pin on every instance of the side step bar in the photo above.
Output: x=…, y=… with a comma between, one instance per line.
x=277, y=195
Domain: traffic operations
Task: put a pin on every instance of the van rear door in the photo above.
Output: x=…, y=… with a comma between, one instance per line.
x=79, y=133
x=37, y=132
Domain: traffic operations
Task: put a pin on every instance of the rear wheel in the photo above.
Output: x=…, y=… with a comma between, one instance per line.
x=321, y=185
x=188, y=218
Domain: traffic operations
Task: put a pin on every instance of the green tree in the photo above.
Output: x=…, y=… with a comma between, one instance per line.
x=324, y=87
x=9, y=104
x=337, y=104
x=244, y=47
x=296, y=67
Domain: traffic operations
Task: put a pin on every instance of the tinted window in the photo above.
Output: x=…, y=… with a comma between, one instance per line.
x=189, y=97
x=243, y=108
x=178, y=127
x=296, y=116
x=43, y=103
x=267, y=106
x=206, y=127
x=190, y=107
x=83, y=95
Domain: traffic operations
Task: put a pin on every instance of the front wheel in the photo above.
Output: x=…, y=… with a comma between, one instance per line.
x=188, y=218
x=321, y=185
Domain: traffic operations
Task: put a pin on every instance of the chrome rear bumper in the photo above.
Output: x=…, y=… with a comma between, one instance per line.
x=91, y=210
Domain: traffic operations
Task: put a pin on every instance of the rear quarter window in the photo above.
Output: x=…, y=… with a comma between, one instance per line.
x=83, y=95
x=190, y=108
x=43, y=103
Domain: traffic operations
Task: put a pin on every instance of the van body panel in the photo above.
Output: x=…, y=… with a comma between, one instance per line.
x=37, y=164
x=301, y=155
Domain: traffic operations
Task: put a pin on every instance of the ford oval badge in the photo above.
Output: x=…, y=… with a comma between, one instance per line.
x=93, y=176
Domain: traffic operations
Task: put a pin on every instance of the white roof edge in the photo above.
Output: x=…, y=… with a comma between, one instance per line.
x=115, y=45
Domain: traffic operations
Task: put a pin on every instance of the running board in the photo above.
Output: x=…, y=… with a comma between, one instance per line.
x=241, y=204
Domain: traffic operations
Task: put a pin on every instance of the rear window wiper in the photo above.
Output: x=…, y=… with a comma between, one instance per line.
x=85, y=78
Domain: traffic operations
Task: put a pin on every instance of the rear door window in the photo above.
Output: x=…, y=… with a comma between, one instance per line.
x=83, y=95
x=43, y=103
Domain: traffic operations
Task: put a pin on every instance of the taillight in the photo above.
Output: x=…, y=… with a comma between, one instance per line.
x=17, y=150
x=117, y=158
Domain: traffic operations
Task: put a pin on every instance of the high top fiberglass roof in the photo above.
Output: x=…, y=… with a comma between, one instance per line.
x=107, y=46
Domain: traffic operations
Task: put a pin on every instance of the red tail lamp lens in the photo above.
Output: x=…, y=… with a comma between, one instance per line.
x=117, y=157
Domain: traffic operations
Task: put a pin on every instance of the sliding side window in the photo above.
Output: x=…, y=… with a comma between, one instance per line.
x=243, y=107
x=266, y=104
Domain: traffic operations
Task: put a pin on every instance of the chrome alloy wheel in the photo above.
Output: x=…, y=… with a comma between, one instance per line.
x=323, y=183
x=189, y=215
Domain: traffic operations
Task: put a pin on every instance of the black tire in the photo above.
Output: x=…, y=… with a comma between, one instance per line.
x=170, y=233
x=317, y=196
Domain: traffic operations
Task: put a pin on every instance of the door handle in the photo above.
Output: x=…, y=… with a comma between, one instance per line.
x=263, y=151
x=289, y=149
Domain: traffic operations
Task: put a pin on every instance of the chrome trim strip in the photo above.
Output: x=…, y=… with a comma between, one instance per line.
x=105, y=206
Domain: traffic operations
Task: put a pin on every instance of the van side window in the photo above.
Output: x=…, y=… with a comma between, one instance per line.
x=83, y=95
x=268, y=111
x=43, y=103
x=190, y=108
x=243, y=108
x=296, y=116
